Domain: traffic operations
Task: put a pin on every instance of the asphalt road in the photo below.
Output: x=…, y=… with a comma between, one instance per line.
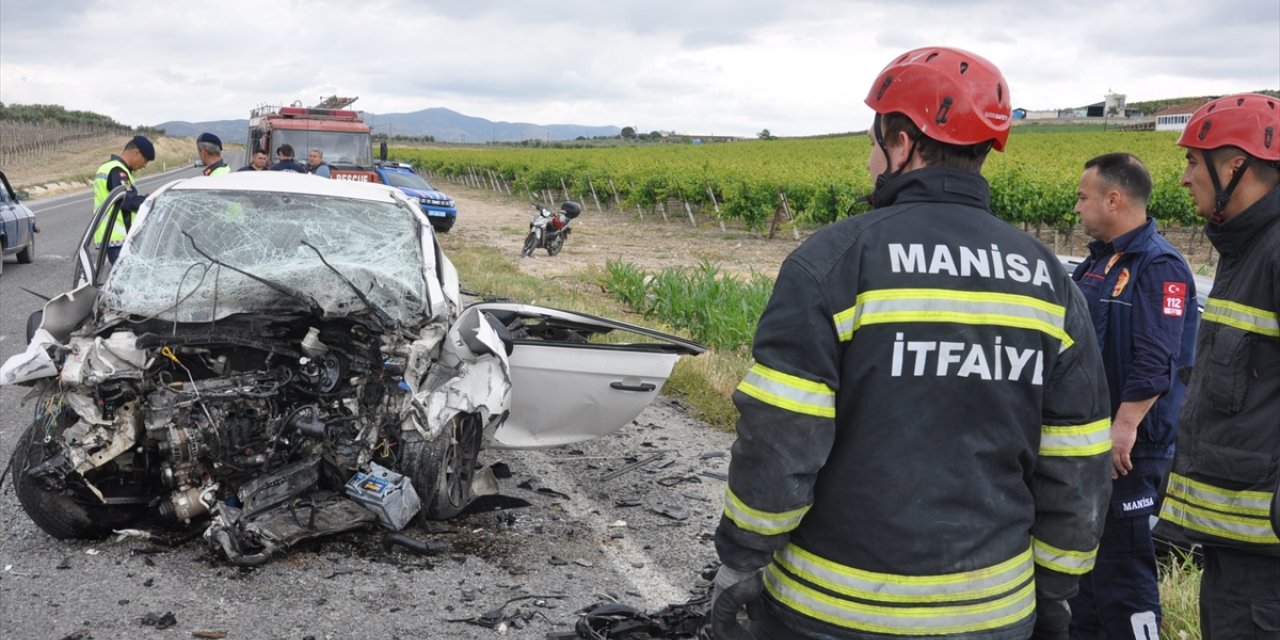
x=561, y=535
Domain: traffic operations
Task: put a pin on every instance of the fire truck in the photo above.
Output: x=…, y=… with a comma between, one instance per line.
x=330, y=126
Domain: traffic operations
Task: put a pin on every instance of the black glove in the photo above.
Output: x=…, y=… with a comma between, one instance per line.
x=734, y=590
x=1053, y=620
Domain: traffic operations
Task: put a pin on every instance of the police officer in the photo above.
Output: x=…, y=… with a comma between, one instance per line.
x=1141, y=296
x=1225, y=472
x=209, y=147
x=924, y=441
x=114, y=172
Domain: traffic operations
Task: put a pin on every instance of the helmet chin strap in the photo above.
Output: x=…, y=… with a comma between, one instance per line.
x=884, y=178
x=1222, y=196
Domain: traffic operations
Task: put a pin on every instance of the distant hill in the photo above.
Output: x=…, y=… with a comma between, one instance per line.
x=445, y=125
x=1149, y=107
x=230, y=131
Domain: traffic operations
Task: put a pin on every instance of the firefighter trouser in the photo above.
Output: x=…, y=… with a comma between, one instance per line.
x=1239, y=595
x=773, y=621
x=1120, y=598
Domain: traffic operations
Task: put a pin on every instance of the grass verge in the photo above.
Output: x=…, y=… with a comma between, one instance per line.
x=1180, y=598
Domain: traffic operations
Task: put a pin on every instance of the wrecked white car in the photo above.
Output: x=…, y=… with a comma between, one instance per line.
x=276, y=357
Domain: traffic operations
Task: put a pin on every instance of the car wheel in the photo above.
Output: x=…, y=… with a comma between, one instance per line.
x=530, y=243
x=55, y=512
x=28, y=253
x=442, y=469
x=555, y=244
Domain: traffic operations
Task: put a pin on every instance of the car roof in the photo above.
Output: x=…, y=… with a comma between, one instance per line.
x=288, y=182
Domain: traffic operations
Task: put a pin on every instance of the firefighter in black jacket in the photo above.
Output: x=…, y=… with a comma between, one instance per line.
x=924, y=443
x=1227, y=464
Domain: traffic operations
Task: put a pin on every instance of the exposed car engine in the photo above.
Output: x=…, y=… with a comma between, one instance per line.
x=194, y=417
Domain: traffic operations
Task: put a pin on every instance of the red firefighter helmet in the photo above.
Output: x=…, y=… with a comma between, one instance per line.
x=951, y=95
x=1250, y=121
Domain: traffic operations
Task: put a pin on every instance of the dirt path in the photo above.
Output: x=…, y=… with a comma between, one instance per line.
x=501, y=222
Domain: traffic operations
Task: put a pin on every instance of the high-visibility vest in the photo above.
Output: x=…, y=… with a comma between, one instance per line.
x=218, y=170
x=100, y=193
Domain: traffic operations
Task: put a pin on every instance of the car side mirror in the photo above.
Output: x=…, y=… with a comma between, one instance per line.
x=23, y=195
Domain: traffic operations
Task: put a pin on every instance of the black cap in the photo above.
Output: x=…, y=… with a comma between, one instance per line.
x=144, y=146
x=210, y=138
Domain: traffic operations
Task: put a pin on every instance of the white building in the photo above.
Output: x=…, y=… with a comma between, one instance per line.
x=1175, y=118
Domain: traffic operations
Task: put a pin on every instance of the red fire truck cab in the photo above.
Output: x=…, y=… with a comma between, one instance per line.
x=338, y=132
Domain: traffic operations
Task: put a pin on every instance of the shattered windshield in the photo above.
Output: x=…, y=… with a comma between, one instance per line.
x=373, y=244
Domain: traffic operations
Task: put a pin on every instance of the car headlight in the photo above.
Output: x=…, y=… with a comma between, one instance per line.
x=436, y=203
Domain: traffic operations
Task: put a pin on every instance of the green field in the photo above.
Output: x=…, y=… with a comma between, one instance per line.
x=1033, y=182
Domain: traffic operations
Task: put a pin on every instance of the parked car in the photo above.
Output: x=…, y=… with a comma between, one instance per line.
x=266, y=338
x=17, y=227
x=439, y=207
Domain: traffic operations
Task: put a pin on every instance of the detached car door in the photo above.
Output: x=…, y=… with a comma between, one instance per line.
x=567, y=385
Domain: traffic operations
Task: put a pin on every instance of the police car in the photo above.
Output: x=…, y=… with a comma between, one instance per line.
x=439, y=207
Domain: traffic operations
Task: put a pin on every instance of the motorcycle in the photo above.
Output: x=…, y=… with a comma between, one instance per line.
x=548, y=229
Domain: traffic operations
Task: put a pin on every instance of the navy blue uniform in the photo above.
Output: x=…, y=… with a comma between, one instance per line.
x=289, y=165
x=1142, y=299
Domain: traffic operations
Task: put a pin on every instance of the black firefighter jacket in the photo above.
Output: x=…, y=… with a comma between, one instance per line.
x=1227, y=464
x=924, y=442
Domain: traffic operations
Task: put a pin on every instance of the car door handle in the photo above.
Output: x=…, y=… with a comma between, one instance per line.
x=643, y=386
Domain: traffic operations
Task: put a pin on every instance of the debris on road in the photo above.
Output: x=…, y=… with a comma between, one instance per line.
x=671, y=511
x=159, y=621
x=497, y=618
x=628, y=468
x=617, y=620
x=420, y=547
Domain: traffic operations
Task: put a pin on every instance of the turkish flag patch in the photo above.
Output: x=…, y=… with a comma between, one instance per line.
x=1175, y=297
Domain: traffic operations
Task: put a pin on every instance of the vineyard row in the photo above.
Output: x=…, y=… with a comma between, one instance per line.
x=23, y=141
x=815, y=181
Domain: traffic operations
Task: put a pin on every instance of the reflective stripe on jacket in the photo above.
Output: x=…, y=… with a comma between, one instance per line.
x=924, y=442
x=1226, y=468
x=100, y=193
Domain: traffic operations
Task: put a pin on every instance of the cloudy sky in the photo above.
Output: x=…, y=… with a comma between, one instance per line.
x=730, y=67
